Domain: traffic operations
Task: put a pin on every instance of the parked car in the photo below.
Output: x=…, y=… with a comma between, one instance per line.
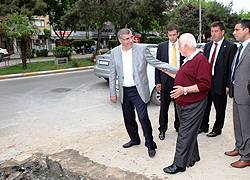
x=3, y=51
x=102, y=70
x=200, y=47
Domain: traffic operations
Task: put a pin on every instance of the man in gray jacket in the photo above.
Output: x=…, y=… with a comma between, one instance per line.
x=129, y=63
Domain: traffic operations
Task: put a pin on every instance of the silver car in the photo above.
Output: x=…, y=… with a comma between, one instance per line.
x=102, y=70
x=200, y=47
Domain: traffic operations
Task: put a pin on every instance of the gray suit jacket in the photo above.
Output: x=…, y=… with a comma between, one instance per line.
x=242, y=75
x=141, y=56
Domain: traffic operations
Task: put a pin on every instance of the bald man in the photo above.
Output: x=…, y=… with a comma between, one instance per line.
x=191, y=86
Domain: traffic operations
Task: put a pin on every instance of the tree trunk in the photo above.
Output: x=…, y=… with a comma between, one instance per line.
x=99, y=34
x=24, y=53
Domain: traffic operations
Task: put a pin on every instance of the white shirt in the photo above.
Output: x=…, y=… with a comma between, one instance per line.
x=127, y=68
x=170, y=49
x=216, y=53
x=244, y=44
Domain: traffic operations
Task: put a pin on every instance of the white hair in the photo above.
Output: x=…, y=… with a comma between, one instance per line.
x=188, y=39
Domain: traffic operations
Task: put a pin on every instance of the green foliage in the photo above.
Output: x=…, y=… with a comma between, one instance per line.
x=157, y=40
x=42, y=53
x=28, y=8
x=62, y=51
x=79, y=44
x=44, y=66
x=19, y=27
x=31, y=53
x=245, y=14
x=46, y=33
x=112, y=44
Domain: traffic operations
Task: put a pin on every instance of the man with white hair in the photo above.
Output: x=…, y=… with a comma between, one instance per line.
x=191, y=86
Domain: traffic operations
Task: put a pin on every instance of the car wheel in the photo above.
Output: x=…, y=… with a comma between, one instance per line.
x=107, y=79
x=156, y=97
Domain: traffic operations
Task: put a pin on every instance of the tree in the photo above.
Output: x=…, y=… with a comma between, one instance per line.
x=187, y=18
x=20, y=27
x=56, y=11
x=91, y=12
x=148, y=15
x=28, y=8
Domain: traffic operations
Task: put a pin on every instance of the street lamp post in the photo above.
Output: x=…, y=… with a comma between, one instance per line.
x=200, y=21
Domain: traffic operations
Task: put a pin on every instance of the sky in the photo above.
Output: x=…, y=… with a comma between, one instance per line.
x=238, y=4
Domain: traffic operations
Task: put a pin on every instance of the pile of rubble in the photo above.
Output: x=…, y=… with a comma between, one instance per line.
x=35, y=170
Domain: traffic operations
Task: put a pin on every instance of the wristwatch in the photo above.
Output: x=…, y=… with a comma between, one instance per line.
x=185, y=91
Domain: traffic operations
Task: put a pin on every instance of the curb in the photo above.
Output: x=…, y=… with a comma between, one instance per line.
x=44, y=72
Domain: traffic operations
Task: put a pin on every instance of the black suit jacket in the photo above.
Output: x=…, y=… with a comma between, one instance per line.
x=222, y=68
x=162, y=55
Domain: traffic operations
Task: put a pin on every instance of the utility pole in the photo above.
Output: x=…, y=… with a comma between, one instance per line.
x=200, y=22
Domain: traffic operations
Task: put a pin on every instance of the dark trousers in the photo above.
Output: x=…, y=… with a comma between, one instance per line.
x=190, y=121
x=132, y=100
x=165, y=101
x=220, y=103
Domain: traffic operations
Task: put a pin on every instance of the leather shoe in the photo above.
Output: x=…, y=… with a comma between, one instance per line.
x=213, y=134
x=173, y=169
x=192, y=162
x=130, y=144
x=151, y=152
x=240, y=164
x=162, y=135
x=232, y=153
x=202, y=130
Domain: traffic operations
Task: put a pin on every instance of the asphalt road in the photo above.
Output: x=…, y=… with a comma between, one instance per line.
x=50, y=114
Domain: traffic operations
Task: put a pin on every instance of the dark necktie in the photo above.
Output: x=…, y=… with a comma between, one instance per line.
x=213, y=56
x=236, y=62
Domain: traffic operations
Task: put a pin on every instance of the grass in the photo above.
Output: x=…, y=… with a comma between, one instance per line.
x=45, y=66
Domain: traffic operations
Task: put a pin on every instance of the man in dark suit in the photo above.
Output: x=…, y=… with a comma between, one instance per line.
x=167, y=52
x=241, y=98
x=220, y=53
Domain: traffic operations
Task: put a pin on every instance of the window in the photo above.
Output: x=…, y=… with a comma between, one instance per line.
x=39, y=22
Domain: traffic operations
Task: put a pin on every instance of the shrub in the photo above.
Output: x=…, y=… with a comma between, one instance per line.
x=62, y=51
x=81, y=44
x=112, y=43
x=31, y=53
x=42, y=53
x=156, y=40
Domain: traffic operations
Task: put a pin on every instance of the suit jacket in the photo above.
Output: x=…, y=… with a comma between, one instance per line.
x=141, y=56
x=242, y=75
x=162, y=54
x=223, y=63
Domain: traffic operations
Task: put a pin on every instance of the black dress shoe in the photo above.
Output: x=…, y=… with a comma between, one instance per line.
x=192, y=162
x=202, y=130
x=162, y=135
x=213, y=134
x=174, y=169
x=151, y=152
x=129, y=144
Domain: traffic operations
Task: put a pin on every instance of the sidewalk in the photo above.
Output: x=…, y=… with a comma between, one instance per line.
x=19, y=61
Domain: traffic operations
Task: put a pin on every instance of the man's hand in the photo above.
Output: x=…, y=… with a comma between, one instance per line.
x=158, y=87
x=178, y=91
x=113, y=99
x=168, y=73
x=227, y=90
